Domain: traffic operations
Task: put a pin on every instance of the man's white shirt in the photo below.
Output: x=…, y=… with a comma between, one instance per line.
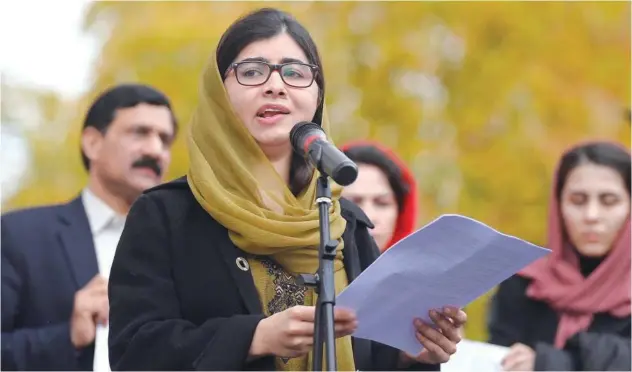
x=106, y=226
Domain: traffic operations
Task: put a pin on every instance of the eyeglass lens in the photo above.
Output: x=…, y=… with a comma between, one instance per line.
x=255, y=73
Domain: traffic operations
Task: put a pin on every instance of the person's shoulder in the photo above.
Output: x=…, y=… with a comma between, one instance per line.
x=514, y=287
x=177, y=185
x=173, y=200
x=358, y=223
x=175, y=191
x=518, y=281
x=32, y=228
x=351, y=211
x=31, y=215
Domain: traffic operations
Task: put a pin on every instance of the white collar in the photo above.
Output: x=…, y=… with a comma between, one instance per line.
x=100, y=215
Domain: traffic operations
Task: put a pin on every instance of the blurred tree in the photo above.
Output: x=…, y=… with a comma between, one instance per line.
x=36, y=122
x=479, y=98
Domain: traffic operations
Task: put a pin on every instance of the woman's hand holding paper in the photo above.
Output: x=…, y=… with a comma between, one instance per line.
x=439, y=342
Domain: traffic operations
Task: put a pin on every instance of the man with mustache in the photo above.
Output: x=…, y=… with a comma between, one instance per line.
x=56, y=259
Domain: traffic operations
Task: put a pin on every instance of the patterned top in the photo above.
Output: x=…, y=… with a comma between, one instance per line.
x=278, y=291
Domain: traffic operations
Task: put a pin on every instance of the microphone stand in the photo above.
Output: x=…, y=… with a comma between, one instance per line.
x=323, y=280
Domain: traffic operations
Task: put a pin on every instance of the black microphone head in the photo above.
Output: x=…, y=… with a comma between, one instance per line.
x=328, y=159
x=346, y=173
x=300, y=131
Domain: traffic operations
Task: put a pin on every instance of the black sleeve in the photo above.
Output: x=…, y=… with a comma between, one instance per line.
x=549, y=358
x=147, y=331
x=384, y=357
x=507, y=312
x=586, y=351
x=43, y=348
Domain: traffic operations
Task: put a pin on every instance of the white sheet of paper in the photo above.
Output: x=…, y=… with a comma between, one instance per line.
x=475, y=356
x=449, y=262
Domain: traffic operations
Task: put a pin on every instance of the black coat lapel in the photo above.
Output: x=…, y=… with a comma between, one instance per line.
x=242, y=278
x=76, y=239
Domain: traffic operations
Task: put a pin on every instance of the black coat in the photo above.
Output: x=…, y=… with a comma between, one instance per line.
x=47, y=256
x=514, y=317
x=178, y=300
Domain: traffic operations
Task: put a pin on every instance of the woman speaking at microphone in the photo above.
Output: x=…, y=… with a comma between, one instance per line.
x=204, y=274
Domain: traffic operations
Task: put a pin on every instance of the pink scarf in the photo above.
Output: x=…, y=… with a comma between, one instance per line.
x=557, y=280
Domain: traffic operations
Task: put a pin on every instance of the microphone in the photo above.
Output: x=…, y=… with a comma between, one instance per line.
x=309, y=140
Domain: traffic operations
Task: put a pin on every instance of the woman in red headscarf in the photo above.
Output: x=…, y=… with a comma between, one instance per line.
x=571, y=310
x=385, y=190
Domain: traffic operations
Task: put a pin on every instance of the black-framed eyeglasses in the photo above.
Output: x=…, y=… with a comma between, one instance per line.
x=294, y=74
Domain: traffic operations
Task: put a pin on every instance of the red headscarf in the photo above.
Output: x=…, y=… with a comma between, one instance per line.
x=407, y=217
x=557, y=280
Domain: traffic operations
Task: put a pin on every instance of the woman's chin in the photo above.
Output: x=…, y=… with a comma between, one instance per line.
x=275, y=142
